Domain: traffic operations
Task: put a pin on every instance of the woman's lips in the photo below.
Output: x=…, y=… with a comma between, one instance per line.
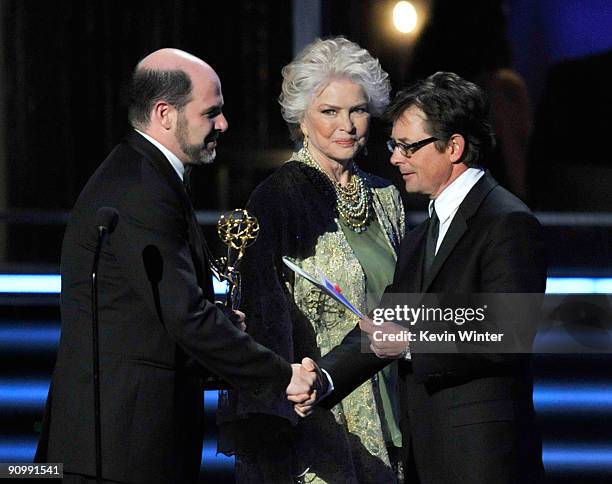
x=346, y=142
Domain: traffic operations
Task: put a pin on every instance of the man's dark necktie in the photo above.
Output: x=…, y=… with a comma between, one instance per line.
x=430, y=242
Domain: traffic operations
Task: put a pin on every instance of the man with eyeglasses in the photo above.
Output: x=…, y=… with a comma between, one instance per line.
x=466, y=417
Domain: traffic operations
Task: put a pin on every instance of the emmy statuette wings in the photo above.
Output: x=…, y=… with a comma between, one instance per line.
x=237, y=230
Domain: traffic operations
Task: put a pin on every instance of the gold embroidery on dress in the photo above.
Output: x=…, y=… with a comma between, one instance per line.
x=331, y=322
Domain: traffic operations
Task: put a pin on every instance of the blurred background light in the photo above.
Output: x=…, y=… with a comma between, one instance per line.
x=51, y=284
x=404, y=17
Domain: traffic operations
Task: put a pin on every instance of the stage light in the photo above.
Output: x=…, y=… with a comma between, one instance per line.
x=17, y=449
x=30, y=283
x=404, y=17
x=569, y=398
x=572, y=457
x=579, y=285
x=52, y=284
x=30, y=393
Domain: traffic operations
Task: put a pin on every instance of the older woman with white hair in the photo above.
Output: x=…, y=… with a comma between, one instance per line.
x=321, y=210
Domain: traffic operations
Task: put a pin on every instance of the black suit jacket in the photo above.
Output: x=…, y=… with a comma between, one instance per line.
x=493, y=245
x=159, y=335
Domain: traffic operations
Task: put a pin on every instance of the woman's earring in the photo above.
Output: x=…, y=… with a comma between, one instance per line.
x=305, y=142
x=365, y=151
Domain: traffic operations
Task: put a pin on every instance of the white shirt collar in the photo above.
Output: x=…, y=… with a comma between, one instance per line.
x=448, y=202
x=451, y=197
x=171, y=157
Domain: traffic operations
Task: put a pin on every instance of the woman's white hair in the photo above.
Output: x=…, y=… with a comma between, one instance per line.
x=317, y=65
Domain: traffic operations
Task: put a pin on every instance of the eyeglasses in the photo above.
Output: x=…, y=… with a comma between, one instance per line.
x=408, y=149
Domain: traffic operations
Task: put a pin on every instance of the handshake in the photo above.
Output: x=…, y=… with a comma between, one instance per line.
x=308, y=384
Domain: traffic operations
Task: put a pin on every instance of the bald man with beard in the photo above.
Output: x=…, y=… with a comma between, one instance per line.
x=159, y=333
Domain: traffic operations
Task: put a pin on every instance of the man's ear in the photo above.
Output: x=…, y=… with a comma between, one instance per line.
x=164, y=115
x=455, y=148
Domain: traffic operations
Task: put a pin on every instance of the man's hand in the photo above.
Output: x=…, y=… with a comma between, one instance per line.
x=387, y=340
x=239, y=318
x=306, y=383
x=305, y=408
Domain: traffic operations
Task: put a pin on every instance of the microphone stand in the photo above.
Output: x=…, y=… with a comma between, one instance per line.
x=102, y=231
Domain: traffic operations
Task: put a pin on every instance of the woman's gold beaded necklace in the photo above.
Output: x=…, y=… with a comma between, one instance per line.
x=353, y=200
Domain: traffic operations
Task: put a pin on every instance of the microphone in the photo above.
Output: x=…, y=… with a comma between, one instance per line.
x=106, y=221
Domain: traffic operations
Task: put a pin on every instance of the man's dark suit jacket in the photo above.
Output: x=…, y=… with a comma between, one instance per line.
x=158, y=333
x=466, y=418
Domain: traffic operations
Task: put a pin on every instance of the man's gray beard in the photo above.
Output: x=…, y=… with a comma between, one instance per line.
x=199, y=156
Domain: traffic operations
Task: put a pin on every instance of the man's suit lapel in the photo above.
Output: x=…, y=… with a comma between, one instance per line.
x=196, y=239
x=161, y=164
x=460, y=224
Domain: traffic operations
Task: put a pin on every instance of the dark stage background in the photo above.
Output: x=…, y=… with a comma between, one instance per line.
x=64, y=66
